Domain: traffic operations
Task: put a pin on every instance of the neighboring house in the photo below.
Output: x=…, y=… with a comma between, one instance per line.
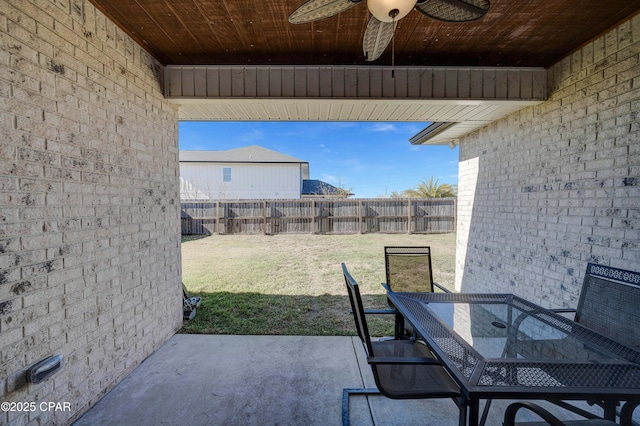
x=252, y=172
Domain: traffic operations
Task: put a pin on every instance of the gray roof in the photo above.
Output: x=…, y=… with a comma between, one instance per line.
x=318, y=187
x=247, y=154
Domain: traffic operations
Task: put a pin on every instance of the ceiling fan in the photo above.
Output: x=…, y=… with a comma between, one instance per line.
x=387, y=13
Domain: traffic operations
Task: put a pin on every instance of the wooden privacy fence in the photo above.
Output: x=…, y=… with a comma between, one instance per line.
x=326, y=216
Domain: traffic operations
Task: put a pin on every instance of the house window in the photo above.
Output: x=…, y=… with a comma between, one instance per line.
x=226, y=174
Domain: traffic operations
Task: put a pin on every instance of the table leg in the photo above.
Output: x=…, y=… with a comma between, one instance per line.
x=399, y=329
x=474, y=411
x=610, y=410
x=462, y=420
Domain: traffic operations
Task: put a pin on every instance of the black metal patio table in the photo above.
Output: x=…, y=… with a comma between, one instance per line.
x=500, y=346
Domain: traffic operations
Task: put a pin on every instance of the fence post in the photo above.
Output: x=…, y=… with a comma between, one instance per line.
x=408, y=215
x=217, y=217
x=264, y=217
x=360, y=216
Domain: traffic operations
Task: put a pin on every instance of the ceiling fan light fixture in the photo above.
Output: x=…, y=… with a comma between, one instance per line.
x=390, y=10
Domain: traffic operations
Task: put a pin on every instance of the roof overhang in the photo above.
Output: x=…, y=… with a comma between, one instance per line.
x=430, y=132
x=469, y=97
x=282, y=71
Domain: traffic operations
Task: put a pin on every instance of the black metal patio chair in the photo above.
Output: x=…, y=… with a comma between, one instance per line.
x=547, y=418
x=408, y=269
x=402, y=369
x=608, y=304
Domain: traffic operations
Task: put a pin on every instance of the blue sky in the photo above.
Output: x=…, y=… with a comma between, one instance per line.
x=370, y=158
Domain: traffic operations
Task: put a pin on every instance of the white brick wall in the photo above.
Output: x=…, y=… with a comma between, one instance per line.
x=89, y=210
x=552, y=187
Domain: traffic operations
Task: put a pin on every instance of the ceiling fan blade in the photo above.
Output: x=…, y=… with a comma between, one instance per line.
x=314, y=10
x=454, y=10
x=376, y=38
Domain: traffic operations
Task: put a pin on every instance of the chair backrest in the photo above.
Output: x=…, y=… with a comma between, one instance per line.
x=358, y=310
x=610, y=303
x=409, y=269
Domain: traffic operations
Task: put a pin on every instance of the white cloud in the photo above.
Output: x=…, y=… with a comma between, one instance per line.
x=334, y=180
x=329, y=178
x=251, y=136
x=414, y=128
x=340, y=124
x=354, y=164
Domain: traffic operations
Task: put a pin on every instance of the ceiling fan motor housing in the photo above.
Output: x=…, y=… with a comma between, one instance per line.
x=390, y=10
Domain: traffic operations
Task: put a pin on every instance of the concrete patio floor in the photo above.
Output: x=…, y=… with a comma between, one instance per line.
x=261, y=380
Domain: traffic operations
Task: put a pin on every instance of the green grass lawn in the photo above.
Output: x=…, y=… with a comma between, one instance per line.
x=293, y=284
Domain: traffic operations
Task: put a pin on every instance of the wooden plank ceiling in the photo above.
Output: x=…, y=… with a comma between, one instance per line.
x=522, y=33
x=251, y=34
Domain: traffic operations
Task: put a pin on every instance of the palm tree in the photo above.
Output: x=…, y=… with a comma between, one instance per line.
x=429, y=188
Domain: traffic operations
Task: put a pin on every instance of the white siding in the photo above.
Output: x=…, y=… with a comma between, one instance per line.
x=248, y=181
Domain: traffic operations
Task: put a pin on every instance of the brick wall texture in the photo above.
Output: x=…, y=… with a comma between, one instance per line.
x=552, y=187
x=89, y=210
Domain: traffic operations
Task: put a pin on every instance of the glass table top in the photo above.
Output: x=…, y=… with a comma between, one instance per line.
x=504, y=342
x=501, y=330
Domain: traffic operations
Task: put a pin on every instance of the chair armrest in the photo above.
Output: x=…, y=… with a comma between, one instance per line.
x=446, y=290
x=402, y=360
x=440, y=286
x=512, y=410
x=563, y=310
x=380, y=311
x=626, y=414
x=575, y=409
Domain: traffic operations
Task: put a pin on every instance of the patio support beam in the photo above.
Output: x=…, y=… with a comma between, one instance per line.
x=468, y=98
x=341, y=82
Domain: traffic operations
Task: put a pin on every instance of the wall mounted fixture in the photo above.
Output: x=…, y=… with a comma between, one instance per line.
x=44, y=369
